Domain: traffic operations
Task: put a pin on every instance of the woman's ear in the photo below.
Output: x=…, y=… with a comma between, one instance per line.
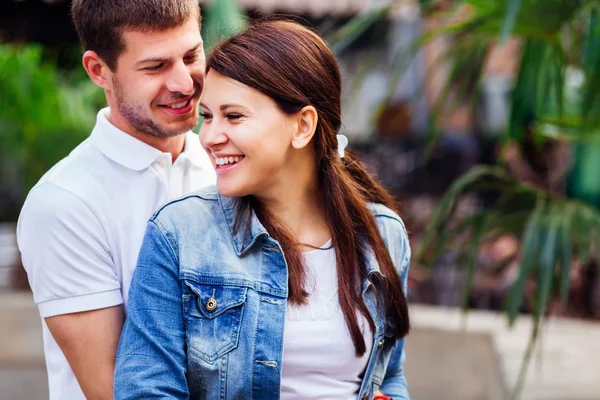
x=307, y=120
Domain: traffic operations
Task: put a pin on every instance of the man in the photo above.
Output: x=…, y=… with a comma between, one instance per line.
x=82, y=225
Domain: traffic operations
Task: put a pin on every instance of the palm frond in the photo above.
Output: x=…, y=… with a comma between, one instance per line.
x=565, y=256
x=223, y=18
x=530, y=249
x=554, y=231
x=510, y=19
x=478, y=232
x=347, y=34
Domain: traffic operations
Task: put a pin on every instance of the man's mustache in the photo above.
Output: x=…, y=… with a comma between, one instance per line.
x=175, y=96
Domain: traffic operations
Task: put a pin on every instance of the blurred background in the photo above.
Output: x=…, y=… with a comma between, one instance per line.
x=482, y=117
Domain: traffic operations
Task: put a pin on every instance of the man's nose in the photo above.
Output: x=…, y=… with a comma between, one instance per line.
x=180, y=80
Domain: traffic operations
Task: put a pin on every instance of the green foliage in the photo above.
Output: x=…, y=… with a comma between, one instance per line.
x=559, y=38
x=555, y=230
x=353, y=29
x=223, y=18
x=43, y=116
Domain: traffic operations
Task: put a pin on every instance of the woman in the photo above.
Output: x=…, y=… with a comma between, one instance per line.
x=287, y=280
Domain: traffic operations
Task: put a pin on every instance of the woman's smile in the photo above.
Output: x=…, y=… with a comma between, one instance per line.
x=225, y=163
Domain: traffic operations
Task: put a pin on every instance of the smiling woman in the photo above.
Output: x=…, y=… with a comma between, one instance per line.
x=288, y=280
x=246, y=130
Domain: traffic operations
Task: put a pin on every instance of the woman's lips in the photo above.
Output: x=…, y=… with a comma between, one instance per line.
x=223, y=169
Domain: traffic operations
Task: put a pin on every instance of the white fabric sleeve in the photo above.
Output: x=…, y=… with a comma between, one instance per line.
x=65, y=251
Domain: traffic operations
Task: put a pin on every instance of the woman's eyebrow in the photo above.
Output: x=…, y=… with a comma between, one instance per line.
x=231, y=105
x=224, y=107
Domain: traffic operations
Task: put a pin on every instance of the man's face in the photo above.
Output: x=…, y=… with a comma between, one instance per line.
x=158, y=81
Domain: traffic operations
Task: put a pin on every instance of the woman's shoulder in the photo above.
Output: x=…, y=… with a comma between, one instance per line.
x=193, y=208
x=386, y=216
x=394, y=234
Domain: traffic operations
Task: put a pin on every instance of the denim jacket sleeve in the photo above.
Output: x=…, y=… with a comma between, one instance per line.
x=394, y=383
x=151, y=358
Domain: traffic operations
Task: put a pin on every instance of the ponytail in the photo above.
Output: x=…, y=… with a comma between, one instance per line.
x=347, y=189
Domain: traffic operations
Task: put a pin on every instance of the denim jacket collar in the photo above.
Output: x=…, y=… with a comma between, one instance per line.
x=246, y=236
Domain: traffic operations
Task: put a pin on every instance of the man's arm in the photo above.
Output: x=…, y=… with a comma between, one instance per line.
x=89, y=341
x=66, y=252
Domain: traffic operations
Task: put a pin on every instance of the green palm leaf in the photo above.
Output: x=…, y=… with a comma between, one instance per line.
x=223, y=18
x=566, y=256
x=530, y=247
x=347, y=34
x=510, y=19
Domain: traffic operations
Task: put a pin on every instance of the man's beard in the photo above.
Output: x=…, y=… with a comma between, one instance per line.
x=133, y=113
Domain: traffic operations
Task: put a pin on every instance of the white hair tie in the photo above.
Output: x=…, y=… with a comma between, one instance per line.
x=342, y=142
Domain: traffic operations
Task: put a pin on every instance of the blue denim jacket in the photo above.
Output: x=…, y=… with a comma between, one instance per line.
x=207, y=308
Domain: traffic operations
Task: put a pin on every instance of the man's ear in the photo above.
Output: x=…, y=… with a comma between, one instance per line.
x=307, y=120
x=97, y=69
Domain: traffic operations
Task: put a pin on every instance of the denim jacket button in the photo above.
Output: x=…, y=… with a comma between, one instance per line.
x=381, y=342
x=211, y=304
x=366, y=396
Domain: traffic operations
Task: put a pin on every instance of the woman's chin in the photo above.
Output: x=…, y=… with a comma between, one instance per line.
x=228, y=190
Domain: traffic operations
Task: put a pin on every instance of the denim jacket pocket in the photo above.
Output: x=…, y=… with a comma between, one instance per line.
x=213, y=318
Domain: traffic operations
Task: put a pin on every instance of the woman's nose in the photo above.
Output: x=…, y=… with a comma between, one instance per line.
x=211, y=135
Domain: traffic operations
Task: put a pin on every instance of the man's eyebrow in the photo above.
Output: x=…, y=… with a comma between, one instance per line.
x=195, y=48
x=165, y=59
x=152, y=60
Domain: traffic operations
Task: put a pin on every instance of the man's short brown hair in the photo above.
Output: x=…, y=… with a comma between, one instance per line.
x=99, y=23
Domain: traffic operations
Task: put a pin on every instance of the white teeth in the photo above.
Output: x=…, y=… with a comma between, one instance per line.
x=227, y=160
x=178, y=105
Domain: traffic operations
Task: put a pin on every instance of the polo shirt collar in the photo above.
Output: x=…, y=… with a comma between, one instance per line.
x=132, y=153
x=193, y=152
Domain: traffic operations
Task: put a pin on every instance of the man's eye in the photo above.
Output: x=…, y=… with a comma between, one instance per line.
x=154, y=67
x=191, y=58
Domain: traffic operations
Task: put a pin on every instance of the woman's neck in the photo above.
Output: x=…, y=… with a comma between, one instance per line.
x=296, y=204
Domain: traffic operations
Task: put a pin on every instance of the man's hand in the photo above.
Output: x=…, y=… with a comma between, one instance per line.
x=89, y=341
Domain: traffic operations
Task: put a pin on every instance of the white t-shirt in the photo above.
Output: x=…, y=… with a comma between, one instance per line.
x=82, y=225
x=319, y=360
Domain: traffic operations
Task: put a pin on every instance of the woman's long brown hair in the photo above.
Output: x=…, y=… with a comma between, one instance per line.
x=293, y=66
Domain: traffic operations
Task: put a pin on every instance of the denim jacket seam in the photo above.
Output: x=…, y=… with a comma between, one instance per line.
x=178, y=200
x=257, y=287
x=393, y=218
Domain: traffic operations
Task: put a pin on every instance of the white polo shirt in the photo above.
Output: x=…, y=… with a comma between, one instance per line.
x=82, y=225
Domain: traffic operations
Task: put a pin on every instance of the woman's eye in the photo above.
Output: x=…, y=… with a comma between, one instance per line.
x=234, y=116
x=206, y=115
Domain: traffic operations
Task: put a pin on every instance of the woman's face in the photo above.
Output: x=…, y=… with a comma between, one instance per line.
x=246, y=136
